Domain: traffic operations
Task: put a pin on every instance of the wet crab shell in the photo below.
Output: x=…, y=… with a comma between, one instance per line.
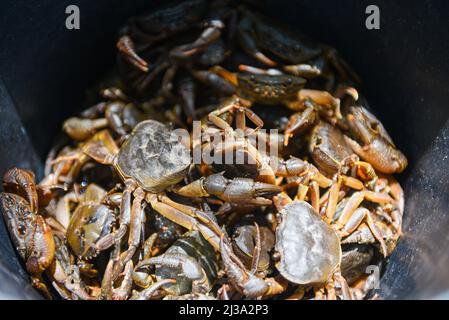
x=153, y=156
x=310, y=249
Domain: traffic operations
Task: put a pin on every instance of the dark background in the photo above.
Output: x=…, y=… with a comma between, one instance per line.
x=45, y=70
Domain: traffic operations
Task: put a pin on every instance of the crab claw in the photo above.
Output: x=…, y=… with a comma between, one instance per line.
x=245, y=282
x=298, y=122
x=250, y=47
x=21, y=182
x=189, y=266
x=237, y=190
x=81, y=129
x=211, y=34
x=372, y=143
x=126, y=46
x=382, y=156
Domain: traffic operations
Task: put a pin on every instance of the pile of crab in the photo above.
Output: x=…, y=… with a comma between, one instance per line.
x=125, y=212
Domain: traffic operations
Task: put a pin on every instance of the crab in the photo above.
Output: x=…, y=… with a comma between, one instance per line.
x=245, y=240
x=296, y=54
x=118, y=113
x=247, y=283
x=65, y=276
x=300, y=234
x=30, y=234
x=378, y=222
x=139, y=44
x=372, y=142
x=288, y=90
x=191, y=260
x=89, y=224
x=150, y=161
x=329, y=149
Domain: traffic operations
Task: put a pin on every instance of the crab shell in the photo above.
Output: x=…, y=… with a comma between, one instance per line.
x=310, y=249
x=153, y=156
x=89, y=223
x=328, y=148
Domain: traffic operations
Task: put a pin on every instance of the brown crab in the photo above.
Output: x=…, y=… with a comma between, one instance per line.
x=29, y=232
x=372, y=142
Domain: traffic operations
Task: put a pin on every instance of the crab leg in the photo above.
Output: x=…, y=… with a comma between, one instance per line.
x=314, y=190
x=203, y=217
x=303, y=70
x=256, y=251
x=213, y=80
x=125, y=218
x=107, y=290
x=352, y=216
x=358, y=216
x=183, y=219
x=137, y=216
x=345, y=290
x=333, y=198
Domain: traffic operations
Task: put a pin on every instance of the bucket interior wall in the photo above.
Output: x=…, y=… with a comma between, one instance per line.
x=45, y=70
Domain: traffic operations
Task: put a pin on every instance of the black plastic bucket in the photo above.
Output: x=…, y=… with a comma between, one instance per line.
x=45, y=70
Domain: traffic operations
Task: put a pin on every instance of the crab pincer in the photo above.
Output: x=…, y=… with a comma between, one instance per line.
x=237, y=190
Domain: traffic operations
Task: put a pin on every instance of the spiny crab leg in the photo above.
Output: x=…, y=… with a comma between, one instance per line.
x=328, y=292
x=357, y=217
x=249, y=44
x=322, y=98
x=334, y=194
x=238, y=105
x=225, y=74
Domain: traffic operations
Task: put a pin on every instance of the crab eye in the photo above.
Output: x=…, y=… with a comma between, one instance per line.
x=252, y=77
x=289, y=80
